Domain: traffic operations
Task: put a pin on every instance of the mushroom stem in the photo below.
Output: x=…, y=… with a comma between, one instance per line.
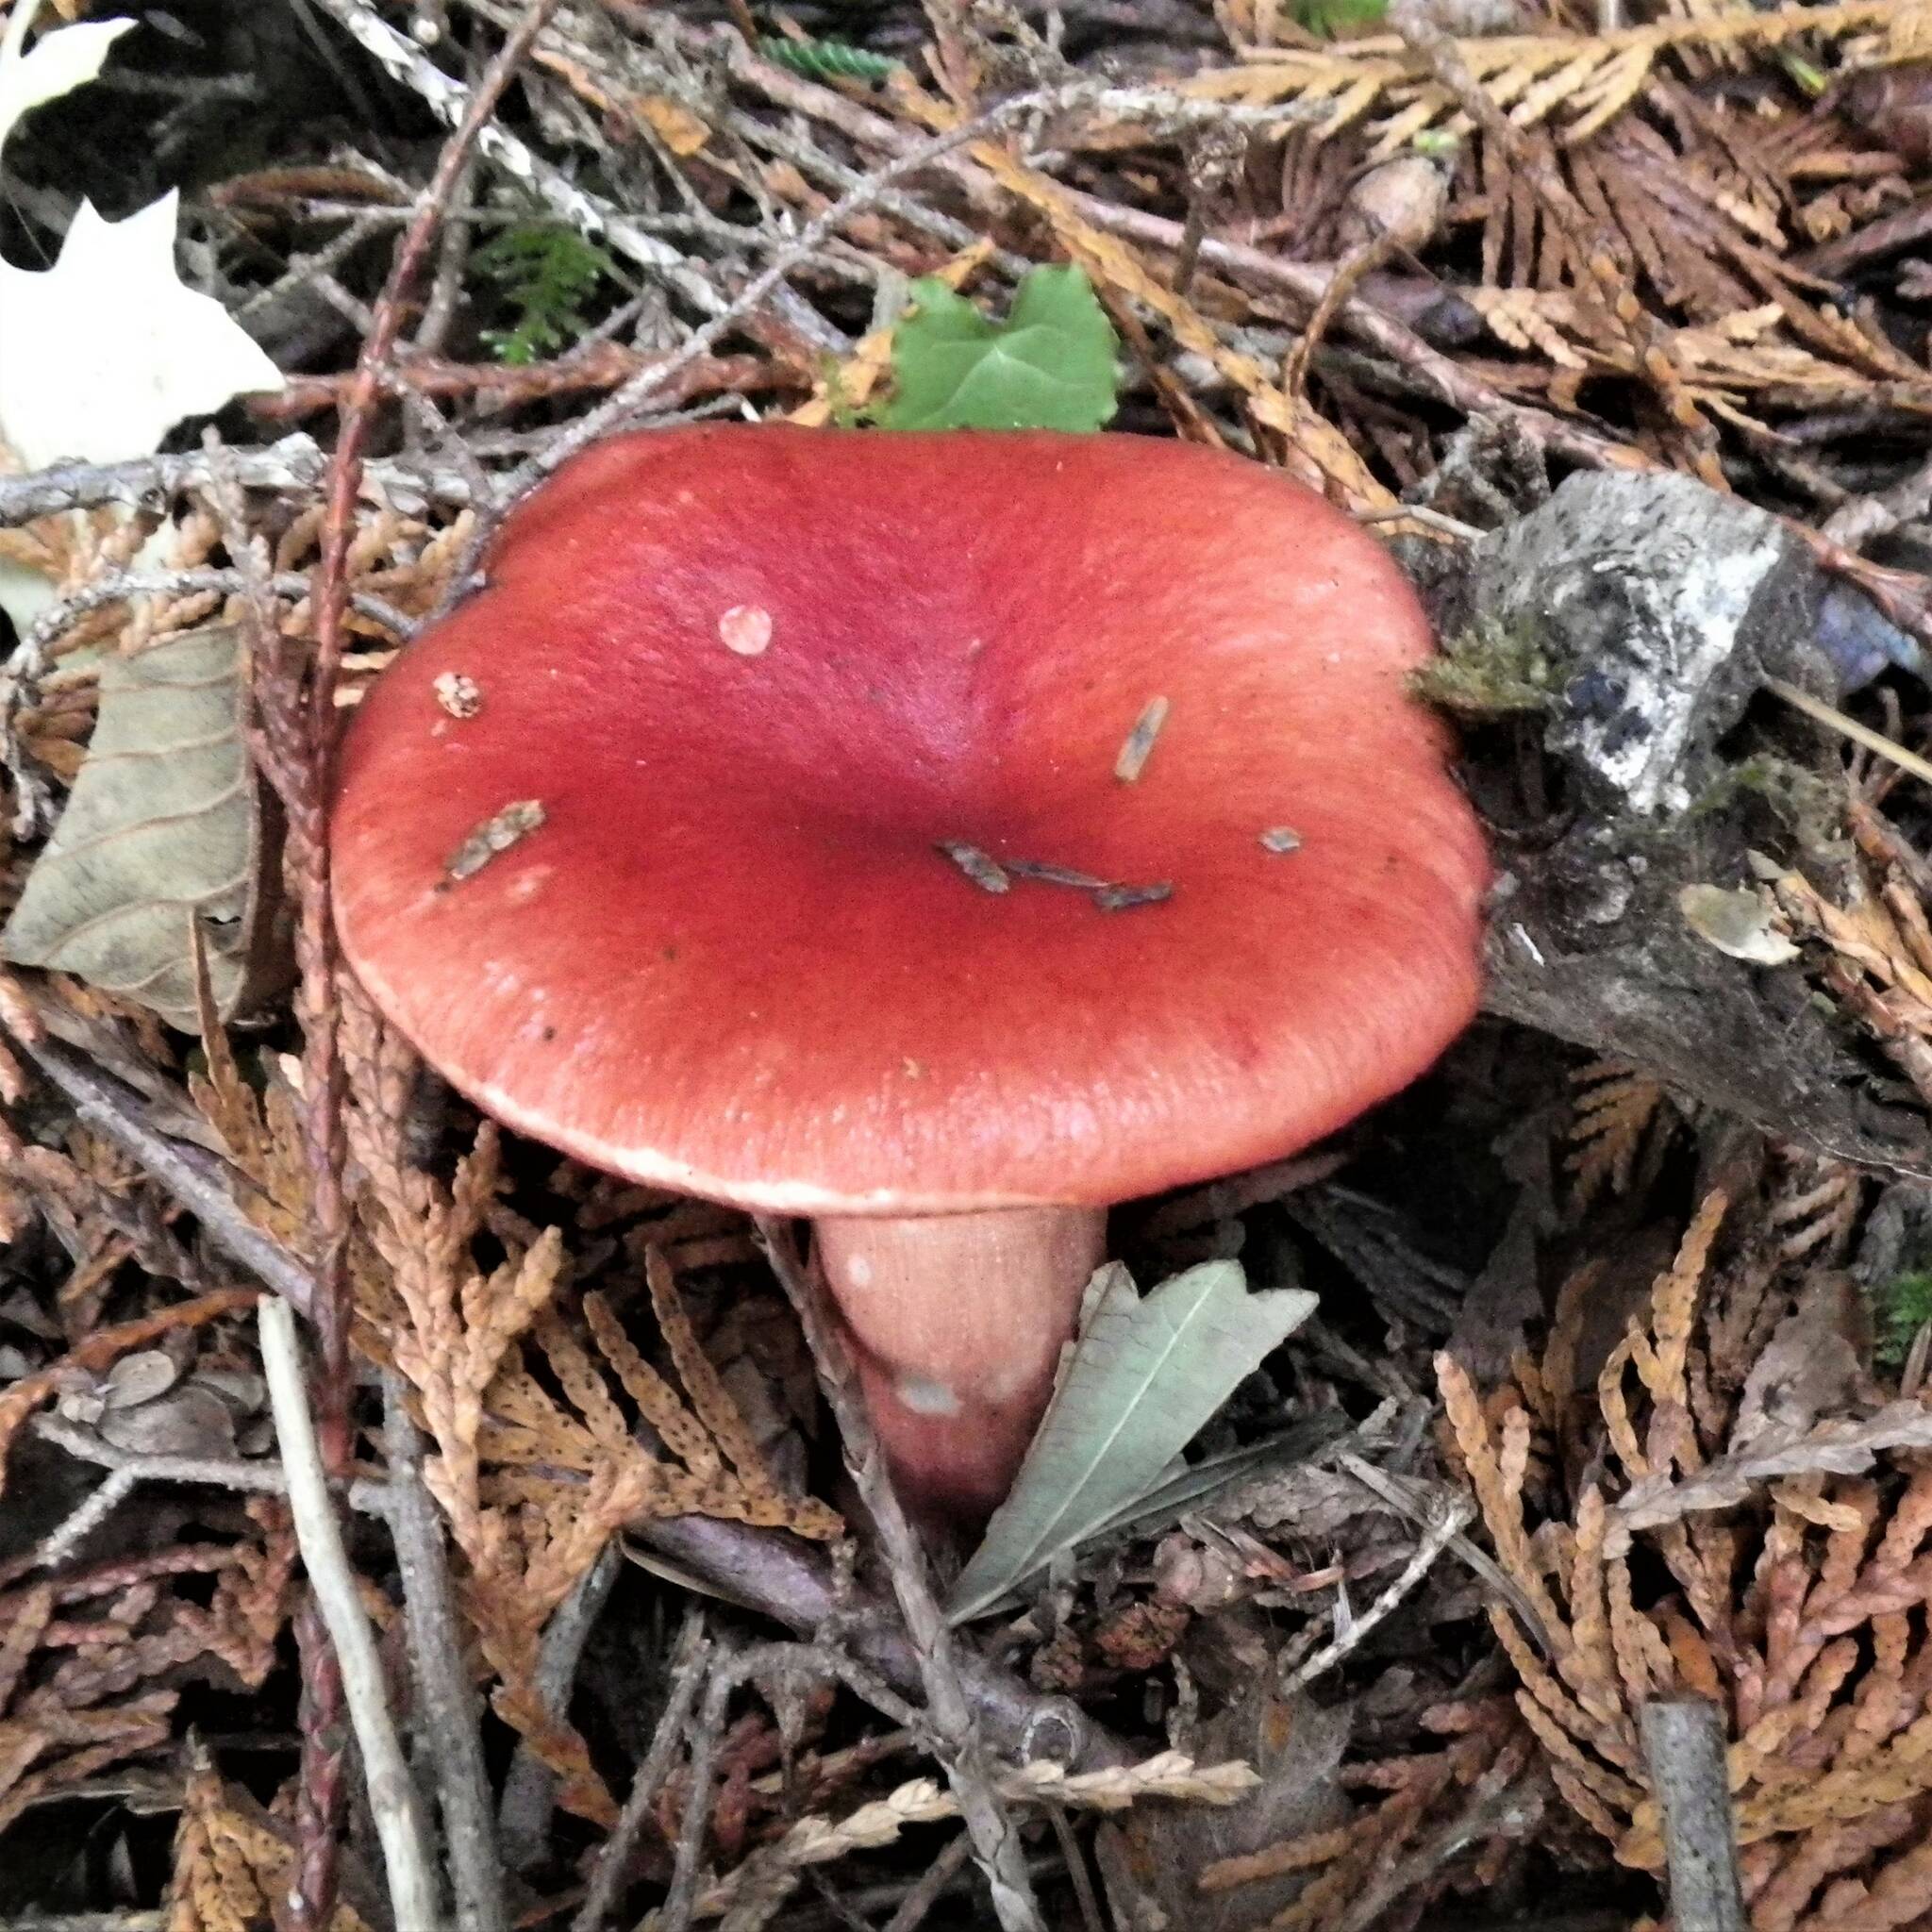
x=959, y=1321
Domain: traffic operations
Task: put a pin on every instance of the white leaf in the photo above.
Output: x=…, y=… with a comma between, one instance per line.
x=1742, y=924
x=1146, y=1376
x=59, y=64
x=103, y=353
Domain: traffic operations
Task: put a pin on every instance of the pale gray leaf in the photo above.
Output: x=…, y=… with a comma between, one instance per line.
x=164, y=828
x=142, y=1376
x=1146, y=1376
x=1845, y=1446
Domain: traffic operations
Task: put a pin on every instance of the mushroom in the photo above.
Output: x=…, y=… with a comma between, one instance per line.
x=943, y=836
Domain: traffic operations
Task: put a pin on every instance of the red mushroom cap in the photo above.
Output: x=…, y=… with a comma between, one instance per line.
x=647, y=846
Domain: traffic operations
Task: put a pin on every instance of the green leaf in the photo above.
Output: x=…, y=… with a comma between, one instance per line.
x=1329, y=18
x=1050, y=365
x=1146, y=1376
x=163, y=827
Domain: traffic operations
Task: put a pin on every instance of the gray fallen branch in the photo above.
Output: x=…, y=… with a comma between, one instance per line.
x=294, y=466
x=446, y=1701
x=392, y=1797
x=780, y=1577
x=1684, y=1752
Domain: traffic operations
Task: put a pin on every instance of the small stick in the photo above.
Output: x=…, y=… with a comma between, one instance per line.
x=446, y=1699
x=1684, y=1752
x=130, y=1467
x=1850, y=728
x=1454, y=1514
x=392, y=1796
x=1049, y=874
x=689, y=1664
x=529, y=1789
x=1091, y=1920
x=967, y=1763
x=924, y=1894
x=192, y=1175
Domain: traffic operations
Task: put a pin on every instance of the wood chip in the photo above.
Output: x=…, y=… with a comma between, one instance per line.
x=493, y=836
x=983, y=870
x=1140, y=745
x=460, y=696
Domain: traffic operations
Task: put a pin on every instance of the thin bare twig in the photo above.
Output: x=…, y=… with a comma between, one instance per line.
x=296, y=736
x=392, y=1796
x=995, y=1840
x=529, y=1789
x=1452, y=1515
x=130, y=1467
x=193, y=1176
x=688, y=1662
x=446, y=1701
x=913, y=1909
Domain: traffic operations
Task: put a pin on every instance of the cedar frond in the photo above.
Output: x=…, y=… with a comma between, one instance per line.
x=1616, y=1105
x=1581, y=80
x=1804, y=1611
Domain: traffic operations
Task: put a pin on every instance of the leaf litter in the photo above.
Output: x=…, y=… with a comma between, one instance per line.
x=1692, y=1132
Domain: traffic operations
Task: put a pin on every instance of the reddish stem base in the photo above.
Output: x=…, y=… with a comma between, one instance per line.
x=959, y=1321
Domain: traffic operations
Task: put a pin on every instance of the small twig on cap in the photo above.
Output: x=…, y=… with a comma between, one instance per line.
x=964, y=1758
x=1124, y=898
x=494, y=836
x=980, y=867
x=1056, y=875
x=1139, y=747
x=392, y=1796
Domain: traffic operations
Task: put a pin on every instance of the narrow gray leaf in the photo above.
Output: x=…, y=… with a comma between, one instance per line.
x=164, y=828
x=1146, y=1376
